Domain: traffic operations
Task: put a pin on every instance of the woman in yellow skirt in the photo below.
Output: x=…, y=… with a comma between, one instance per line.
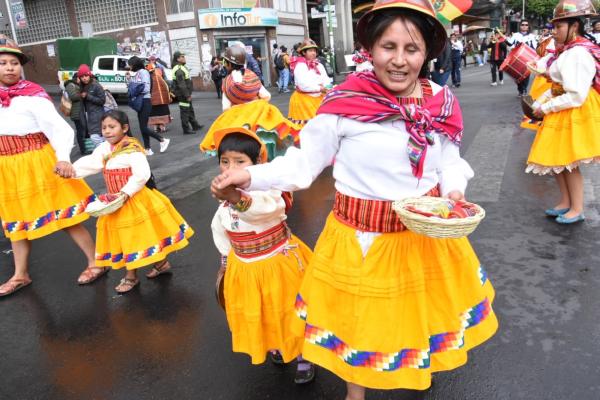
x=380, y=306
x=35, y=147
x=147, y=227
x=311, y=81
x=246, y=104
x=264, y=262
x=568, y=136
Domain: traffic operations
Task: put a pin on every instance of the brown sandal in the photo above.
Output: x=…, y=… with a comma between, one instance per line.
x=12, y=285
x=158, y=269
x=126, y=285
x=90, y=274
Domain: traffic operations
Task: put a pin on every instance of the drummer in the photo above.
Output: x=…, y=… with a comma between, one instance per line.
x=523, y=36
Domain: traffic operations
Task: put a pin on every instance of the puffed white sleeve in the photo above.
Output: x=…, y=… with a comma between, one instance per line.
x=304, y=79
x=577, y=74
x=266, y=206
x=220, y=237
x=91, y=164
x=140, y=173
x=454, y=172
x=264, y=94
x=57, y=130
x=325, y=79
x=298, y=168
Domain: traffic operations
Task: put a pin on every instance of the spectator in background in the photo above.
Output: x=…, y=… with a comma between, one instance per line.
x=442, y=66
x=456, y=48
x=143, y=76
x=182, y=88
x=483, y=52
x=596, y=31
x=73, y=89
x=251, y=62
x=498, y=50
x=217, y=73
x=93, y=99
x=283, y=67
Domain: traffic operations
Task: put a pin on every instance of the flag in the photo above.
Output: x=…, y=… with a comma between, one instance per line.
x=447, y=10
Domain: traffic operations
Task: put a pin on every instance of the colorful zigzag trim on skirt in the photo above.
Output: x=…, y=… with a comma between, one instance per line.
x=65, y=213
x=405, y=358
x=150, y=251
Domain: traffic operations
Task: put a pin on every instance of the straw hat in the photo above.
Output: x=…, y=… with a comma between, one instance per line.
x=221, y=133
x=7, y=45
x=421, y=6
x=572, y=9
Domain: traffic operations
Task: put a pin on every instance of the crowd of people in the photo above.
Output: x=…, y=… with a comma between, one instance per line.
x=277, y=293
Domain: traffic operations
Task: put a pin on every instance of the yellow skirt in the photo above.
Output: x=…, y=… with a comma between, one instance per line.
x=539, y=86
x=567, y=138
x=256, y=115
x=259, y=299
x=142, y=232
x=413, y=306
x=303, y=107
x=34, y=201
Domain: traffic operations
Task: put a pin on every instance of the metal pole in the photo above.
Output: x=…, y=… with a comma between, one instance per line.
x=330, y=27
x=11, y=20
x=523, y=13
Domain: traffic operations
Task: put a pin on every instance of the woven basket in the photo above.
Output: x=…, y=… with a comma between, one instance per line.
x=107, y=208
x=433, y=226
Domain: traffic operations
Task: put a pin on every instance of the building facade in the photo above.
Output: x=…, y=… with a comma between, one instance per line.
x=200, y=28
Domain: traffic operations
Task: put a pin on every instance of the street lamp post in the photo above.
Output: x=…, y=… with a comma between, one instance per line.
x=330, y=28
x=523, y=13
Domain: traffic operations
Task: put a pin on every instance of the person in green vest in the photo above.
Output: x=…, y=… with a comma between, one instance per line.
x=182, y=88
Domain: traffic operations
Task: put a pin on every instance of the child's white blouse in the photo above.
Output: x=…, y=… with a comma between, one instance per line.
x=137, y=161
x=266, y=211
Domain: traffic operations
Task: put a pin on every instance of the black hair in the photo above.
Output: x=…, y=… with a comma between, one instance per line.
x=383, y=20
x=283, y=48
x=120, y=117
x=135, y=63
x=241, y=143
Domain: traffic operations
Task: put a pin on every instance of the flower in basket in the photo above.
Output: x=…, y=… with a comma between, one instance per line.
x=448, y=209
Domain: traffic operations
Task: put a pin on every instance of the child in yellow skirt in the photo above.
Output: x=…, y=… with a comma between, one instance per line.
x=147, y=227
x=264, y=262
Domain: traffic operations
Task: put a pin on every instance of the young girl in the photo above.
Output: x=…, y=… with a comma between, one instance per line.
x=147, y=228
x=264, y=262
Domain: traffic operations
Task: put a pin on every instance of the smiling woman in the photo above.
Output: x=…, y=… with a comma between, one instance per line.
x=380, y=306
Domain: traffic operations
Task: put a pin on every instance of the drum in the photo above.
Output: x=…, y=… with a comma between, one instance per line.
x=515, y=63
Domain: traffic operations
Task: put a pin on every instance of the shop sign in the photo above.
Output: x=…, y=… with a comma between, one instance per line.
x=17, y=9
x=215, y=18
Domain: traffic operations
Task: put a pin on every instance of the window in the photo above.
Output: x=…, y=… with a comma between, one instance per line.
x=179, y=6
x=122, y=64
x=106, y=64
x=291, y=6
x=46, y=20
x=110, y=15
x=235, y=3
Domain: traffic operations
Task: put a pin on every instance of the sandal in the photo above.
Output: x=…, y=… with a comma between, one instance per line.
x=126, y=285
x=158, y=269
x=90, y=274
x=12, y=285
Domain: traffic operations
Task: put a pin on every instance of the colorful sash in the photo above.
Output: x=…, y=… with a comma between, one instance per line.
x=363, y=98
x=21, y=88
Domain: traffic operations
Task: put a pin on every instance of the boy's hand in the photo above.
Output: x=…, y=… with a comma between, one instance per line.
x=229, y=193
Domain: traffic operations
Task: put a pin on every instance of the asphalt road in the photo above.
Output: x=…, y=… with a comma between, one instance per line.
x=169, y=339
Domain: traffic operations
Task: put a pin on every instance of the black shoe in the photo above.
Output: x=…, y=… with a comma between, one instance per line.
x=197, y=127
x=276, y=358
x=189, y=132
x=305, y=376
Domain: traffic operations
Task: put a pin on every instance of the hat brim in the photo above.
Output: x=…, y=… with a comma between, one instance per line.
x=440, y=36
x=584, y=14
x=220, y=134
x=308, y=47
x=19, y=54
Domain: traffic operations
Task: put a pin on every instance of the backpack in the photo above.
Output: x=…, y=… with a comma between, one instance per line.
x=279, y=62
x=110, y=103
x=135, y=94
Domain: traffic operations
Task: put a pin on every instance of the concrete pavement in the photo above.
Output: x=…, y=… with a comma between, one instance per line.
x=169, y=339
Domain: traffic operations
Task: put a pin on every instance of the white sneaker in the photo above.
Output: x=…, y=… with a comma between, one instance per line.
x=149, y=152
x=493, y=84
x=164, y=144
x=502, y=82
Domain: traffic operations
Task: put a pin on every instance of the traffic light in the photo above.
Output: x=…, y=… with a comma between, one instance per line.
x=320, y=6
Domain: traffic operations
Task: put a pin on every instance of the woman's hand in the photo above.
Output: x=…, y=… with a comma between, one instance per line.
x=236, y=177
x=538, y=112
x=456, y=195
x=64, y=169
